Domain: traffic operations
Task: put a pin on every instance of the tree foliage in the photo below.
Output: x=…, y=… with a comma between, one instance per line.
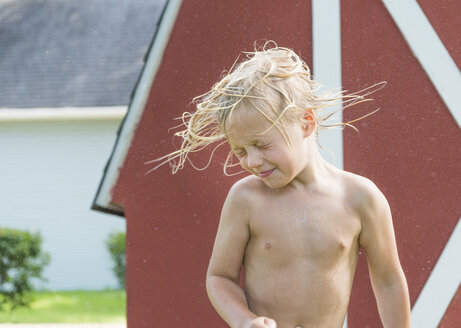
x=21, y=260
x=116, y=245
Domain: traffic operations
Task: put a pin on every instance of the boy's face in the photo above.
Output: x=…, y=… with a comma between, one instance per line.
x=267, y=155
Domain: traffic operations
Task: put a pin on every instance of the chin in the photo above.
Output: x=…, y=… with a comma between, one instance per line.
x=274, y=184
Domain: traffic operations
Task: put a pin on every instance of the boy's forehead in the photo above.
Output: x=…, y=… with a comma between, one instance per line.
x=248, y=128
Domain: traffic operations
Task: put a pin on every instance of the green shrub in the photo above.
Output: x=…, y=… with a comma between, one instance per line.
x=116, y=246
x=21, y=259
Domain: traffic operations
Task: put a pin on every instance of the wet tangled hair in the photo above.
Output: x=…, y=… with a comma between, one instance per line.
x=277, y=83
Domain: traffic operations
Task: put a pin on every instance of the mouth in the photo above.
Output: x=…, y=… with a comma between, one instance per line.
x=265, y=173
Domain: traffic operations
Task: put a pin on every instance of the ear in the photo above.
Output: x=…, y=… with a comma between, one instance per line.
x=310, y=123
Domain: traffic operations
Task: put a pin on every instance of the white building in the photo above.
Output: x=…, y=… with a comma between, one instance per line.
x=67, y=69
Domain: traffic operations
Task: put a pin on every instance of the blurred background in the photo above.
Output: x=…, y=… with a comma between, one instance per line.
x=67, y=70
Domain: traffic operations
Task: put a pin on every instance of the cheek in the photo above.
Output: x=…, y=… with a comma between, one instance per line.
x=291, y=160
x=243, y=163
x=283, y=159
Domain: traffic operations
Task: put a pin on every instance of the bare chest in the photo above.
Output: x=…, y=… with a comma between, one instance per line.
x=321, y=229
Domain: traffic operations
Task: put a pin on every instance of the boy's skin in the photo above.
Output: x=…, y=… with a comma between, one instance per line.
x=297, y=225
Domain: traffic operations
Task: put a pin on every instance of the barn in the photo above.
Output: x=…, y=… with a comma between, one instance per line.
x=410, y=148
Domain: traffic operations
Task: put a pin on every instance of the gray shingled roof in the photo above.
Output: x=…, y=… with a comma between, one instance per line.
x=56, y=53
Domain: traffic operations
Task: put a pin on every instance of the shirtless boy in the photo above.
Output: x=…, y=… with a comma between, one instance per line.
x=297, y=222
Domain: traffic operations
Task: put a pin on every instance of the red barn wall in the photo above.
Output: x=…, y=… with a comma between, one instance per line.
x=408, y=148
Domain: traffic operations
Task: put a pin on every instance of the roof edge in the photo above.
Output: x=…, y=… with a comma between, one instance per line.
x=103, y=198
x=62, y=113
x=112, y=209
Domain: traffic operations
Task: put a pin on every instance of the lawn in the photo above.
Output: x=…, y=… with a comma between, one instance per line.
x=79, y=306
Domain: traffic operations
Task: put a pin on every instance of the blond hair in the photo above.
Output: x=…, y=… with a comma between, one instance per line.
x=278, y=83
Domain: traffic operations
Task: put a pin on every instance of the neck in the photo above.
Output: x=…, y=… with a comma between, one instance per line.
x=315, y=168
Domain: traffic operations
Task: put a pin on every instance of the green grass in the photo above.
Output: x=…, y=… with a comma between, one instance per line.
x=79, y=306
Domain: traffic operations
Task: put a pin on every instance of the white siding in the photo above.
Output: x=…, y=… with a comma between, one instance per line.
x=49, y=174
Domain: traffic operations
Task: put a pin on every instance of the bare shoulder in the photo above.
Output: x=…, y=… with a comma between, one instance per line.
x=245, y=190
x=239, y=199
x=363, y=193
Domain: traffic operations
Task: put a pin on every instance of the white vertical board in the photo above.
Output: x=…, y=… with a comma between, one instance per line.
x=326, y=35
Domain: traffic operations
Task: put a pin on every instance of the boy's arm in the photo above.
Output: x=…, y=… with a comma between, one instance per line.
x=387, y=278
x=223, y=275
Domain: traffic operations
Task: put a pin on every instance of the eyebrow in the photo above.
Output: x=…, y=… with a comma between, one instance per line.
x=252, y=141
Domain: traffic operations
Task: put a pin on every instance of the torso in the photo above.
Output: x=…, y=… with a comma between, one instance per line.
x=302, y=253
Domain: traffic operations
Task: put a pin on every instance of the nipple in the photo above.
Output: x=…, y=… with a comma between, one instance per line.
x=343, y=245
x=267, y=245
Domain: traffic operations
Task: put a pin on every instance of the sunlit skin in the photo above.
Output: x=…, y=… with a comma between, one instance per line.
x=296, y=225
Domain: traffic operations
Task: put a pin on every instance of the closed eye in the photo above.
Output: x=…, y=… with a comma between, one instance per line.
x=239, y=152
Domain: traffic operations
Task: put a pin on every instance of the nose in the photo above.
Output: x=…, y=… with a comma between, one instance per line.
x=253, y=159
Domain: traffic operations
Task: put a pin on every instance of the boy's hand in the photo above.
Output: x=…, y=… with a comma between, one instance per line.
x=262, y=322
